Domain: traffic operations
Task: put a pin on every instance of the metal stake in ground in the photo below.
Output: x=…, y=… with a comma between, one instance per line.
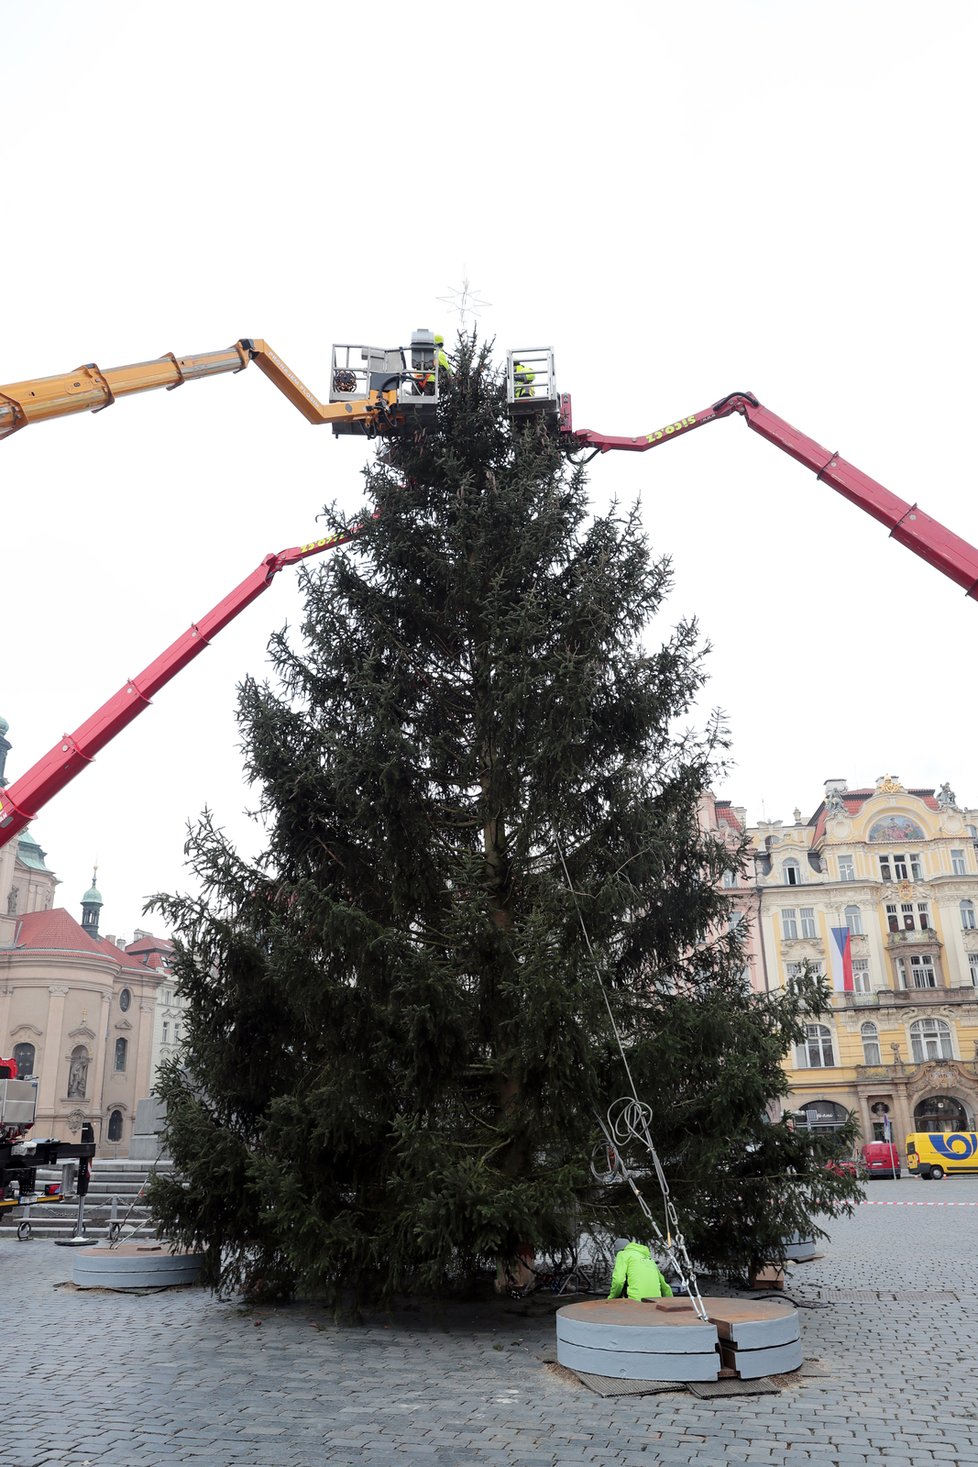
x=78, y=1237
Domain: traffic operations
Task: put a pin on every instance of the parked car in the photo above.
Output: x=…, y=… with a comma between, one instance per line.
x=843, y=1166
x=881, y=1159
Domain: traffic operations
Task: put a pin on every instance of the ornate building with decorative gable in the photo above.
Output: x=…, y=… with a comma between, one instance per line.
x=879, y=885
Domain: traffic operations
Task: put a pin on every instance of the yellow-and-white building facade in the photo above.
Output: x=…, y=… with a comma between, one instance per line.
x=879, y=885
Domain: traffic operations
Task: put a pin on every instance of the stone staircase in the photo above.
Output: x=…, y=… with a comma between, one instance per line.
x=113, y=1181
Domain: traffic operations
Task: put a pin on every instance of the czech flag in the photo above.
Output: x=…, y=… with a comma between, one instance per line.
x=841, y=947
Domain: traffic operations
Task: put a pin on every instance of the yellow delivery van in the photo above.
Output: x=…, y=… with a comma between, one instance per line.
x=932, y=1154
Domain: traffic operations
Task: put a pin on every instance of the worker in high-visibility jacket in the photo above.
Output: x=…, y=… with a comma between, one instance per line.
x=637, y=1272
x=441, y=356
x=523, y=380
x=425, y=379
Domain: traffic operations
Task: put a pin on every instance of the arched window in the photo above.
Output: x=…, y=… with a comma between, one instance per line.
x=854, y=921
x=941, y=1113
x=930, y=1039
x=871, y=1044
x=24, y=1059
x=823, y=1115
x=121, y=1050
x=816, y=1051
x=967, y=908
x=78, y=1073
x=791, y=872
x=125, y=999
x=115, y=1126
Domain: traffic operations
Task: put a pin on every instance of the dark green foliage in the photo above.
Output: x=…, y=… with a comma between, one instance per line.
x=397, y=1038
x=708, y=1062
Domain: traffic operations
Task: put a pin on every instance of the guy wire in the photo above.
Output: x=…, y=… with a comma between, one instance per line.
x=597, y=968
x=674, y=1240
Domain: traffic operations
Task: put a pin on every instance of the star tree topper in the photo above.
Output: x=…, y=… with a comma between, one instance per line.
x=465, y=301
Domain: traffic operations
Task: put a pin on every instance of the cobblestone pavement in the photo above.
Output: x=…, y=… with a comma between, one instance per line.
x=99, y=1379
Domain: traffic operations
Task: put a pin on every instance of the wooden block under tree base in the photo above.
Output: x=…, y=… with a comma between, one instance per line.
x=770, y=1277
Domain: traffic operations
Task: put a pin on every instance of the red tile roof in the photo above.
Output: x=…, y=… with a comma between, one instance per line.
x=150, y=944
x=726, y=816
x=54, y=929
x=57, y=931
x=151, y=952
x=121, y=955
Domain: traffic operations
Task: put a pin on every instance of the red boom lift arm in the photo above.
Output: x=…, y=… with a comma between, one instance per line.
x=926, y=537
x=69, y=756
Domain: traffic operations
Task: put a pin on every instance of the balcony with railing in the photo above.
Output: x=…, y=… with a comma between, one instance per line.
x=912, y=937
x=891, y=997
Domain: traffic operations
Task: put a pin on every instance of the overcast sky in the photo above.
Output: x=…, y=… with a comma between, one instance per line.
x=682, y=200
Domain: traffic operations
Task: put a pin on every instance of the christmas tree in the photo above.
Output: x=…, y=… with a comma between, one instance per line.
x=482, y=849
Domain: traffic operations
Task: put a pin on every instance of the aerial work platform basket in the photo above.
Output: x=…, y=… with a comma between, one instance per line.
x=530, y=386
x=410, y=371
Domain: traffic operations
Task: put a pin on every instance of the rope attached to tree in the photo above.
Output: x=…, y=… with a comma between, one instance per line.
x=629, y=1120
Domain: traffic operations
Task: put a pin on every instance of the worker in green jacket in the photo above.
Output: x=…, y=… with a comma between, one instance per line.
x=441, y=356
x=636, y=1269
x=523, y=380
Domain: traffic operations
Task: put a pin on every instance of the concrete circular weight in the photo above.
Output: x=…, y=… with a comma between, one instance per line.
x=628, y=1324
x=754, y=1324
x=665, y=1340
x=134, y=1266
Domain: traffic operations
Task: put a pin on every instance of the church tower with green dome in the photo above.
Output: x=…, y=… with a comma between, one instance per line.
x=91, y=907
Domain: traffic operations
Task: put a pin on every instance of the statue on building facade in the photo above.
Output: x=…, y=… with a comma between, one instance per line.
x=834, y=803
x=78, y=1074
x=946, y=797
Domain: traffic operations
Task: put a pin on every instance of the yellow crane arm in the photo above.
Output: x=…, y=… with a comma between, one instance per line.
x=297, y=392
x=89, y=389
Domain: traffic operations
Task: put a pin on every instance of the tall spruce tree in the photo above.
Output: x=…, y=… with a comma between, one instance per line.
x=398, y=1039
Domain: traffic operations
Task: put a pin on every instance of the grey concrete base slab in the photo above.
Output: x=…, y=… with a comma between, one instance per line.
x=628, y=1339
x=753, y=1324
x=134, y=1266
x=644, y=1365
x=629, y=1324
x=752, y=1364
x=802, y=1250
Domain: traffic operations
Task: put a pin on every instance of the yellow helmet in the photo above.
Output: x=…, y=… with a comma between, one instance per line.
x=439, y=340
